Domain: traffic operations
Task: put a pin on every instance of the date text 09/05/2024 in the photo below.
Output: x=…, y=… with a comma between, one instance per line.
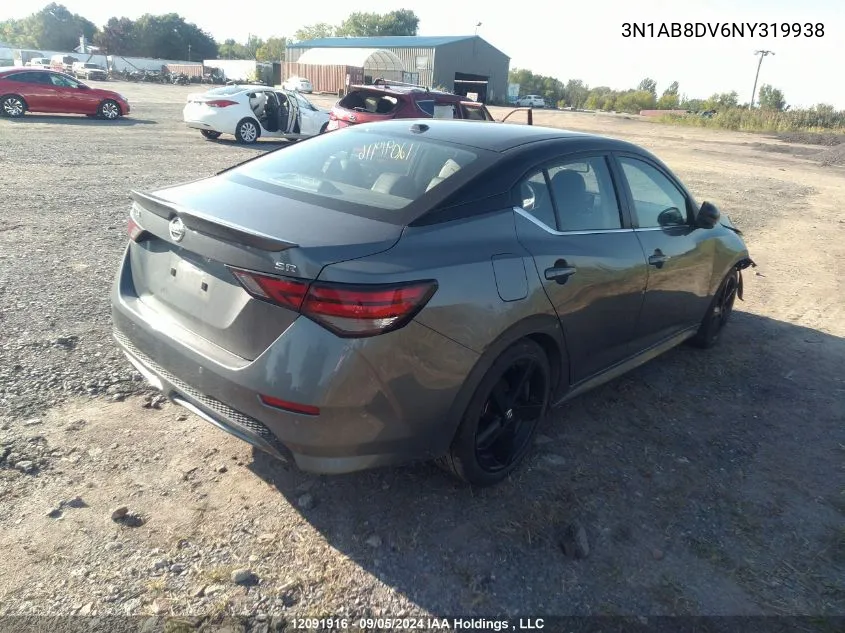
x=723, y=29
x=418, y=624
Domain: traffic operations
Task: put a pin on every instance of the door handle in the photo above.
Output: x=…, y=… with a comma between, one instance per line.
x=560, y=274
x=658, y=259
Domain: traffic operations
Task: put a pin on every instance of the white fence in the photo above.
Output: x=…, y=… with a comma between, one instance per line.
x=112, y=62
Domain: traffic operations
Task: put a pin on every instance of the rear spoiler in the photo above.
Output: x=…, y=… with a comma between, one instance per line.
x=207, y=225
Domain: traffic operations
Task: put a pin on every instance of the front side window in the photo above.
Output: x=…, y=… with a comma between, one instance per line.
x=63, y=82
x=360, y=169
x=657, y=201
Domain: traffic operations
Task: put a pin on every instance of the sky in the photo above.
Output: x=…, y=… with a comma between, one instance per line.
x=570, y=40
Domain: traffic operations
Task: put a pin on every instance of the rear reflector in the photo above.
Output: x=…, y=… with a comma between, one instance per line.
x=221, y=103
x=306, y=409
x=348, y=310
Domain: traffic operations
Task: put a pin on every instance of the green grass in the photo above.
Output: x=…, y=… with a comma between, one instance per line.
x=816, y=119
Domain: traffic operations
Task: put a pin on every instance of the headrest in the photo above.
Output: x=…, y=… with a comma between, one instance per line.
x=449, y=168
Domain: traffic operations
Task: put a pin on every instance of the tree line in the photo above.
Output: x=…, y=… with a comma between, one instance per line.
x=169, y=36
x=575, y=93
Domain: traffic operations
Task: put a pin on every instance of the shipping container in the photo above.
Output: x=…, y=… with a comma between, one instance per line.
x=191, y=70
x=326, y=78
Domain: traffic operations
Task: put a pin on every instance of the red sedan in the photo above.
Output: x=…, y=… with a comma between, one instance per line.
x=44, y=90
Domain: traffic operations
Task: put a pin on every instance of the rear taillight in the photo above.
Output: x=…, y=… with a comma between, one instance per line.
x=135, y=230
x=221, y=103
x=348, y=310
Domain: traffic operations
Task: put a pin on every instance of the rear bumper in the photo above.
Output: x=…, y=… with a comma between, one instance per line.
x=200, y=125
x=383, y=400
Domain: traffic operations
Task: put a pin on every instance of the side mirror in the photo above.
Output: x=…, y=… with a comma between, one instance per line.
x=708, y=216
x=671, y=217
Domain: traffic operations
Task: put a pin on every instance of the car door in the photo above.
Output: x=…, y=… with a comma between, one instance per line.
x=33, y=88
x=291, y=107
x=679, y=255
x=69, y=98
x=310, y=120
x=590, y=263
x=475, y=111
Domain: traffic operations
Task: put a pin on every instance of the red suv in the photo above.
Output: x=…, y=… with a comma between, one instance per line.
x=384, y=100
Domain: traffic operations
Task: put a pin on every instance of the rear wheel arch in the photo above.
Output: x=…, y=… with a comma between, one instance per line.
x=244, y=120
x=15, y=96
x=543, y=329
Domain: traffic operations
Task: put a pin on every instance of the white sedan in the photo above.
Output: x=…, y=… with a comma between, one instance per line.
x=298, y=84
x=248, y=112
x=532, y=101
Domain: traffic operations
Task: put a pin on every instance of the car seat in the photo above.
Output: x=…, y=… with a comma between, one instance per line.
x=449, y=168
x=570, y=194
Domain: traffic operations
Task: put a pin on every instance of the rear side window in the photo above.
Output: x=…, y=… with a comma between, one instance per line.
x=572, y=195
x=366, y=169
x=28, y=78
x=427, y=107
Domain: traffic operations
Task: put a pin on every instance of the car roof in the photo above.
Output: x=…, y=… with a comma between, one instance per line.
x=28, y=69
x=496, y=137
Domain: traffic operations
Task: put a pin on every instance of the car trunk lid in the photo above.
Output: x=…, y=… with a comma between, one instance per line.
x=188, y=238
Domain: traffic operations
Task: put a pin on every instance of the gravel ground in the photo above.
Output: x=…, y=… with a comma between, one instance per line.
x=702, y=483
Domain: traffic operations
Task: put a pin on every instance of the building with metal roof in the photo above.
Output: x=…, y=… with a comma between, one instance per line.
x=463, y=64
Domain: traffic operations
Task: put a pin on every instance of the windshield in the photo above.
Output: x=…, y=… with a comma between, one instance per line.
x=367, y=169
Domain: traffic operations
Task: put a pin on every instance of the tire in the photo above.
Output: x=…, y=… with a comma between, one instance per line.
x=210, y=134
x=718, y=312
x=13, y=106
x=109, y=109
x=492, y=440
x=247, y=131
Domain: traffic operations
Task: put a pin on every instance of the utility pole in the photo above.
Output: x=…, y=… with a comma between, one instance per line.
x=476, y=28
x=762, y=54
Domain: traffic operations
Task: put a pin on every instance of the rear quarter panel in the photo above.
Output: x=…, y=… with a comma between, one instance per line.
x=464, y=256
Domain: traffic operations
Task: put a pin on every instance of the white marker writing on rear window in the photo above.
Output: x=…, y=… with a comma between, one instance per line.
x=384, y=150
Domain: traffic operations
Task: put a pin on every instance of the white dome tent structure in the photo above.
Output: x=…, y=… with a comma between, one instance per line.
x=375, y=62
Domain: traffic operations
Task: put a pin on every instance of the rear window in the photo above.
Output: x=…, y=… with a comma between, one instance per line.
x=372, y=102
x=360, y=169
x=225, y=90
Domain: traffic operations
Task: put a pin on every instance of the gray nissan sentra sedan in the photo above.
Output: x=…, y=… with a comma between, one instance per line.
x=417, y=289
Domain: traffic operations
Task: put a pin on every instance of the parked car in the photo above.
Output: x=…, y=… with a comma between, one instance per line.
x=249, y=112
x=417, y=289
x=89, y=71
x=63, y=63
x=39, y=62
x=42, y=90
x=531, y=101
x=385, y=101
x=298, y=84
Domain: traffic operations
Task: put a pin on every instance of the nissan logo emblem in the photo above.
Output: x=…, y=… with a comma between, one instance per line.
x=177, y=229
